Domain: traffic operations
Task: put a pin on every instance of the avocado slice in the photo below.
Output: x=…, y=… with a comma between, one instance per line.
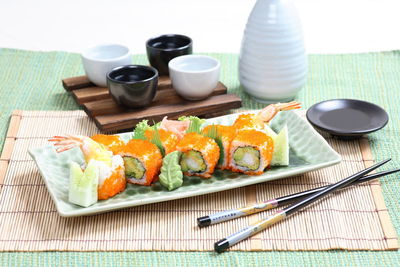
x=248, y=157
x=133, y=168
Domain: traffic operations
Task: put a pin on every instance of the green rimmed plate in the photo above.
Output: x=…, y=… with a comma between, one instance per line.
x=308, y=151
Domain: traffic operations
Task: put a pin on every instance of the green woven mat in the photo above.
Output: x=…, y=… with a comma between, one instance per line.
x=32, y=81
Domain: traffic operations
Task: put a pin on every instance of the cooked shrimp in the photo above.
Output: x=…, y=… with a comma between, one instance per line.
x=111, y=168
x=270, y=111
x=256, y=121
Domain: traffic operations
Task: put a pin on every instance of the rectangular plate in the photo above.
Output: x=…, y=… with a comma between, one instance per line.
x=308, y=151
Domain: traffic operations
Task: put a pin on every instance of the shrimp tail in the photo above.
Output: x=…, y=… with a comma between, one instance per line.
x=90, y=148
x=270, y=111
x=288, y=106
x=64, y=143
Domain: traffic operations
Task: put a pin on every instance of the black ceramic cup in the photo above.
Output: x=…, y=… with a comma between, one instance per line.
x=133, y=86
x=161, y=49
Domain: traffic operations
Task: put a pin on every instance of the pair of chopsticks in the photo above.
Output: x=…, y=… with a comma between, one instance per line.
x=304, y=199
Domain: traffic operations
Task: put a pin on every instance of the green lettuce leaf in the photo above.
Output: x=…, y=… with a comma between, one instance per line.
x=213, y=134
x=195, y=123
x=157, y=140
x=142, y=127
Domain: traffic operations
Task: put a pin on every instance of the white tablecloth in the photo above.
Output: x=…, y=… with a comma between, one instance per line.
x=329, y=26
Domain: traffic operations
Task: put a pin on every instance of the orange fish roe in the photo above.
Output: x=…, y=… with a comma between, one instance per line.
x=168, y=139
x=147, y=153
x=113, y=185
x=111, y=142
x=206, y=146
x=260, y=141
x=247, y=121
x=227, y=133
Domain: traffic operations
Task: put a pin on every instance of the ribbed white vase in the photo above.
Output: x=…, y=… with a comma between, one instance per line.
x=273, y=62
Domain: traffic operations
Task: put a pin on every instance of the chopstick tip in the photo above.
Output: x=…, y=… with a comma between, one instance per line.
x=221, y=245
x=203, y=221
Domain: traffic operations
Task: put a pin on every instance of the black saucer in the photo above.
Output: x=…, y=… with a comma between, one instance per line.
x=347, y=118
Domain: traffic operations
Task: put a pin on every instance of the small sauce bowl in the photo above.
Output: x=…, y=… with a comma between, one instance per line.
x=99, y=60
x=161, y=49
x=133, y=86
x=194, y=77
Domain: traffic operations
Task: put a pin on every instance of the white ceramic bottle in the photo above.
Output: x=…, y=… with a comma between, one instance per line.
x=273, y=62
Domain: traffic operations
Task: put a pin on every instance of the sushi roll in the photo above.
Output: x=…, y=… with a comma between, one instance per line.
x=111, y=179
x=168, y=139
x=111, y=142
x=250, y=152
x=200, y=155
x=111, y=176
x=142, y=161
x=226, y=133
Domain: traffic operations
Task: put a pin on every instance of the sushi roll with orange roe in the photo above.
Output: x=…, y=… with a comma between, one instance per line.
x=142, y=161
x=167, y=138
x=200, y=155
x=247, y=121
x=111, y=167
x=226, y=133
x=250, y=152
x=112, y=181
x=111, y=142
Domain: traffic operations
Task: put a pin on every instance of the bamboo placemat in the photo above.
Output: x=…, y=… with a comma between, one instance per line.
x=354, y=219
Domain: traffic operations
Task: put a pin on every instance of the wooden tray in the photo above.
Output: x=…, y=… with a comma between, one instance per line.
x=107, y=115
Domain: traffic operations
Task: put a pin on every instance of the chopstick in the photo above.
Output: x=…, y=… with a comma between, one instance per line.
x=245, y=233
x=276, y=202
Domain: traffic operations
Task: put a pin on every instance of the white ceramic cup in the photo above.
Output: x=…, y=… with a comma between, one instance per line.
x=194, y=77
x=101, y=59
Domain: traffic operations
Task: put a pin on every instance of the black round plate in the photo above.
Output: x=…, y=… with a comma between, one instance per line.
x=347, y=117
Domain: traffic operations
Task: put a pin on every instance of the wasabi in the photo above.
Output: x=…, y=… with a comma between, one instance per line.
x=171, y=173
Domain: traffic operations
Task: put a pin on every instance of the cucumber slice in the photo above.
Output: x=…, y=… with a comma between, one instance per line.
x=270, y=132
x=280, y=157
x=83, y=185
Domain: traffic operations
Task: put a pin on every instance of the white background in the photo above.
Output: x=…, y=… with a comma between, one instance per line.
x=329, y=26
